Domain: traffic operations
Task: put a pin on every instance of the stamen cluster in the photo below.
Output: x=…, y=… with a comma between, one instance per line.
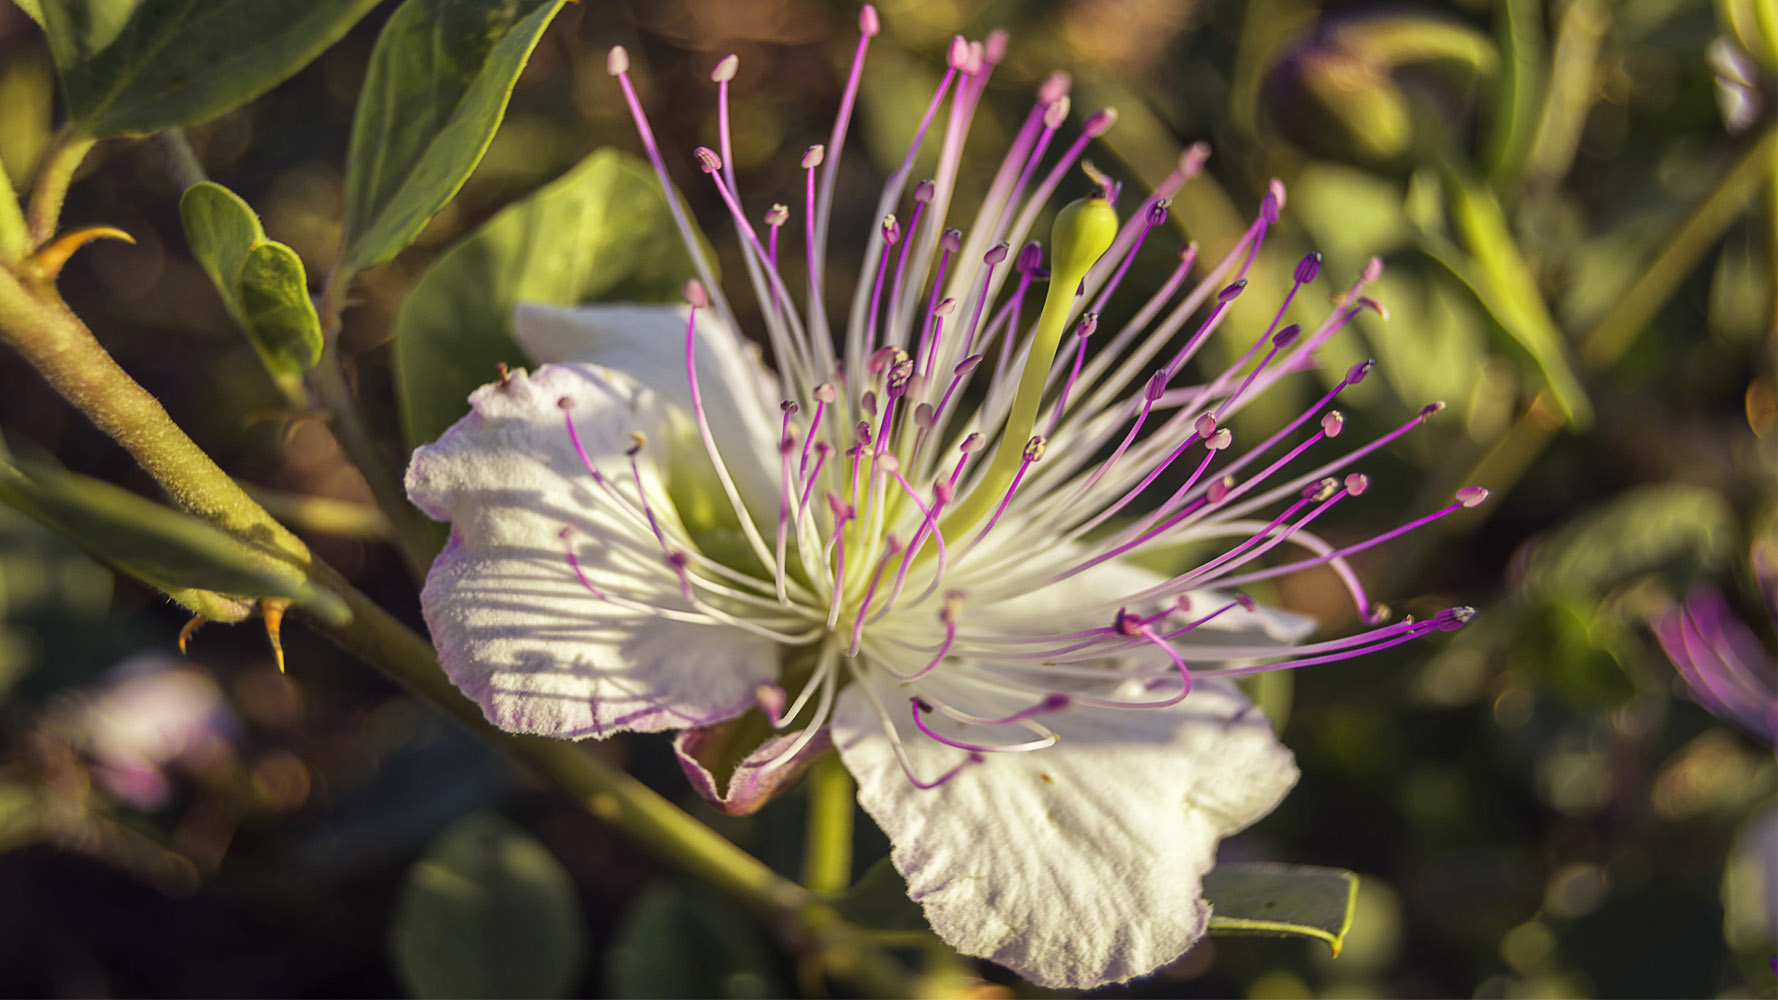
x=958, y=461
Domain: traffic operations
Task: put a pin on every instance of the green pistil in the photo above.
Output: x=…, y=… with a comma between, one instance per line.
x=1082, y=233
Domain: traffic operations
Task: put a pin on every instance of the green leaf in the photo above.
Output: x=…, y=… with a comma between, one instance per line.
x=437, y=87
x=601, y=231
x=1686, y=531
x=1504, y=285
x=1282, y=900
x=156, y=544
x=129, y=67
x=488, y=912
x=261, y=281
x=878, y=904
x=681, y=940
x=275, y=302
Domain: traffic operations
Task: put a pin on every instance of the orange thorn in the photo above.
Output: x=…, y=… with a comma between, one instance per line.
x=272, y=610
x=48, y=260
x=190, y=629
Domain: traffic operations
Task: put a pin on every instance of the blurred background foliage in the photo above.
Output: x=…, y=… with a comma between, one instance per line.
x=1575, y=204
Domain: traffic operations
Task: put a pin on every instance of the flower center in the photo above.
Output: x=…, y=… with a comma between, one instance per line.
x=905, y=482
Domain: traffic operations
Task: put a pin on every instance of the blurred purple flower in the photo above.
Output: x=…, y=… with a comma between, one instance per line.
x=150, y=715
x=1723, y=664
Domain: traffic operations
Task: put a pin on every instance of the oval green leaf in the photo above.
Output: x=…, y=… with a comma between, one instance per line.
x=261, y=281
x=160, y=546
x=488, y=912
x=275, y=302
x=1683, y=531
x=681, y=940
x=437, y=87
x=601, y=231
x=1282, y=900
x=130, y=67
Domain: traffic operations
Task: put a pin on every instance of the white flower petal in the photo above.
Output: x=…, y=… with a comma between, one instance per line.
x=647, y=342
x=1076, y=865
x=515, y=629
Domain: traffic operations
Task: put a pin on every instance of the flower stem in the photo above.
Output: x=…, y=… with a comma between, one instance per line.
x=66, y=151
x=179, y=158
x=415, y=537
x=41, y=328
x=827, y=858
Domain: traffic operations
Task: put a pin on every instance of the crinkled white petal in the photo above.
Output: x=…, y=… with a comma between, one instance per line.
x=647, y=342
x=515, y=629
x=1079, y=864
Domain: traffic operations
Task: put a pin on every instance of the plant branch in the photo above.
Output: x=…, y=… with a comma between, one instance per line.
x=66, y=151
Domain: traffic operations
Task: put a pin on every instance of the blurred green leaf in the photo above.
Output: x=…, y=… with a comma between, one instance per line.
x=1741, y=293
x=437, y=87
x=680, y=940
x=1754, y=24
x=45, y=582
x=1274, y=899
x=601, y=231
x=19, y=807
x=1504, y=285
x=878, y=903
x=487, y=912
x=1518, y=29
x=262, y=282
x=129, y=67
x=1685, y=530
x=156, y=544
x=1344, y=93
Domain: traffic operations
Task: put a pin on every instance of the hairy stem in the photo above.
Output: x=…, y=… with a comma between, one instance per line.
x=66, y=151
x=15, y=239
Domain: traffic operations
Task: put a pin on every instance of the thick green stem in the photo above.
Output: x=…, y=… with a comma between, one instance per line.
x=827, y=858
x=39, y=325
x=15, y=238
x=66, y=152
